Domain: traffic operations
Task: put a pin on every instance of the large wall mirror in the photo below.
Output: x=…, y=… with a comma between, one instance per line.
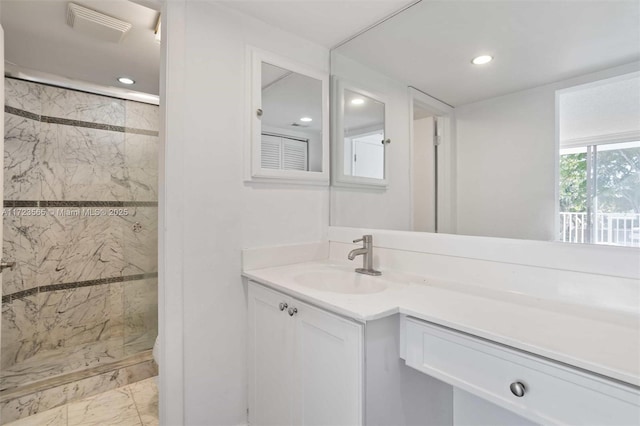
x=289, y=121
x=515, y=119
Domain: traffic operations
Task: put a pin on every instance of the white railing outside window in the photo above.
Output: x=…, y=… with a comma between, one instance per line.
x=622, y=229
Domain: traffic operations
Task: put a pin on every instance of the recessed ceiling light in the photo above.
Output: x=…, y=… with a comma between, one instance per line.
x=357, y=101
x=126, y=80
x=482, y=59
x=306, y=119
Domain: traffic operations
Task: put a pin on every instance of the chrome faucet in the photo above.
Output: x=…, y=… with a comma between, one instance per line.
x=367, y=255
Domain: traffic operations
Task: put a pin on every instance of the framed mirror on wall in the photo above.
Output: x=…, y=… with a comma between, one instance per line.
x=288, y=119
x=360, y=139
x=509, y=73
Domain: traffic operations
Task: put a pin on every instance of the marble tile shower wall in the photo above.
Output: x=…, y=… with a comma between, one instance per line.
x=87, y=265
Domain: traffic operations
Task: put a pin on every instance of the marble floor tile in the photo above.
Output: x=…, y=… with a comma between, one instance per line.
x=131, y=405
x=115, y=407
x=145, y=395
x=54, y=417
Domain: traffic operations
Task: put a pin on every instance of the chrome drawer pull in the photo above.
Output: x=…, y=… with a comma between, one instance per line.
x=283, y=306
x=518, y=389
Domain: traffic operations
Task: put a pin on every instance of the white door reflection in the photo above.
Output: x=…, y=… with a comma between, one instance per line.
x=363, y=136
x=368, y=155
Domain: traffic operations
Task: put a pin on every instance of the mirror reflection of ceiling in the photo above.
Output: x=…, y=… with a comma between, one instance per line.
x=38, y=38
x=326, y=23
x=361, y=113
x=287, y=97
x=610, y=108
x=430, y=46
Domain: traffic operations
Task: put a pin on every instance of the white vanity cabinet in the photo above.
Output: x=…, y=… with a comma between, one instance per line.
x=543, y=391
x=305, y=364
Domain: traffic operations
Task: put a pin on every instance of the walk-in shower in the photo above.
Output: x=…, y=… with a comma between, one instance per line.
x=79, y=311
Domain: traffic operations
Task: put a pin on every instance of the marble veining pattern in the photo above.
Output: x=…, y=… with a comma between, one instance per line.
x=78, y=291
x=23, y=95
x=22, y=168
x=134, y=404
x=142, y=116
x=140, y=315
x=57, y=249
x=74, y=105
x=113, y=408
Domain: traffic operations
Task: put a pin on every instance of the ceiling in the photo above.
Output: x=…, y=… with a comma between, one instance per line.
x=361, y=118
x=325, y=22
x=37, y=37
x=288, y=98
x=430, y=45
x=35, y=30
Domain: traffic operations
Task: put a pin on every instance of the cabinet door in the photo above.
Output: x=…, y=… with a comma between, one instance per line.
x=328, y=368
x=270, y=358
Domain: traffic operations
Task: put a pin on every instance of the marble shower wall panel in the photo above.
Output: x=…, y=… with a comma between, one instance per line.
x=20, y=340
x=81, y=106
x=23, y=95
x=80, y=163
x=73, y=147
x=140, y=240
x=142, y=116
x=140, y=314
x=141, y=156
x=56, y=249
x=22, y=166
x=21, y=241
x=70, y=318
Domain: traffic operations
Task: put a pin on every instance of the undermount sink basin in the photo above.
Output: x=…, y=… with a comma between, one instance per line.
x=341, y=281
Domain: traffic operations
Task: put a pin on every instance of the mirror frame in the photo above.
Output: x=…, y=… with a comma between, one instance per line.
x=253, y=145
x=338, y=178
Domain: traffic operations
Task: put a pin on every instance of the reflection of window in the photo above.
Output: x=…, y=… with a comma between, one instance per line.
x=599, y=168
x=600, y=194
x=284, y=153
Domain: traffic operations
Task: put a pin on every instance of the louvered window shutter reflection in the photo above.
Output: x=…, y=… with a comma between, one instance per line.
x=271, y=152
x=282, y=153
x=294, y=155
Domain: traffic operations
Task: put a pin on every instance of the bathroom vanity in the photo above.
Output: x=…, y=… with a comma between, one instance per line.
x=329, y=346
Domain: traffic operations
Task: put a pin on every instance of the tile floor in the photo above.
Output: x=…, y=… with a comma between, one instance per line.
x=132, y=405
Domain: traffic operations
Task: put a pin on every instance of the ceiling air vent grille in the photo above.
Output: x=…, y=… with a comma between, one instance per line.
x=96, y=24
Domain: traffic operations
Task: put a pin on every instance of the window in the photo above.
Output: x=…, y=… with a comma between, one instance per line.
x=599, y=165
x=284, y=153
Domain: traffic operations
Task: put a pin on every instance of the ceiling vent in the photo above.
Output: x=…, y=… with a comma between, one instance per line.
x=96, y=24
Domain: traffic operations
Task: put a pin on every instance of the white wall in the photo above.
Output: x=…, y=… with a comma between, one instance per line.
x=424, y=176
x=210, y=214
x=506, y=162
x=389, y=208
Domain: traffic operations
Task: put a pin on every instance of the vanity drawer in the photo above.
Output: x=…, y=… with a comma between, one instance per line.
x=553, y=393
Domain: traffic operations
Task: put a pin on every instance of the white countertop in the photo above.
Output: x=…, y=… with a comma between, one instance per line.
x=604, y=342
